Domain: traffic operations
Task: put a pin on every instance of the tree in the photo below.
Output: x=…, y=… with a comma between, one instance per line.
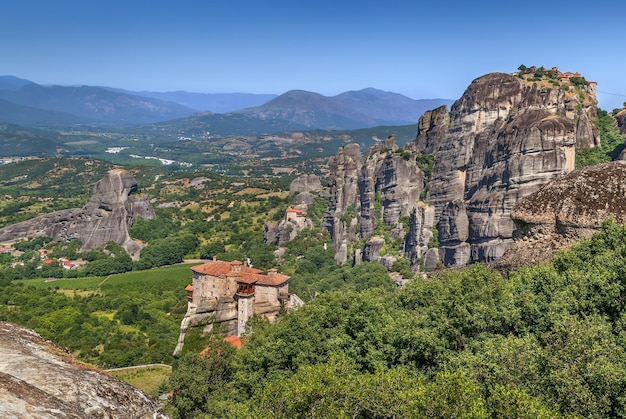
x=199, y=379
x=212, y=249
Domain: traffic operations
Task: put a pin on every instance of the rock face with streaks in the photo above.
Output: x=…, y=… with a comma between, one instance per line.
x=380, y=187
x=417, y=242
x=305, y=185
x=344, y=200
x=432, y=128
x=390, y=179
x=507, y=137
x=41, y=380
x=565, y=210
x=109, y=214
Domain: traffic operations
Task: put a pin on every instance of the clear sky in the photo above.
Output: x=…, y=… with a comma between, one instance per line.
x=422, y=49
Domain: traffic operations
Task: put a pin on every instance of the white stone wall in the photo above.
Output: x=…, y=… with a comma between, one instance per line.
x=208, y=287
x=266, y=294
x=245, y=309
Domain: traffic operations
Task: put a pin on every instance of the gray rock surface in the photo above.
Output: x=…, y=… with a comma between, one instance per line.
x=565, y=210
x=305, y=183
x=431, y=129
x=303, y=189
x=431, y=260
x=621, y=121
x=417, y=240
x=107, y=217
x=343, y=194
x=380, y=187
x=507, y=138
x=41, y=380
x=371, y=251
x=270, y=233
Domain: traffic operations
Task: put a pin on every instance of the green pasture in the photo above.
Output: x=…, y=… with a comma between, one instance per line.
x=148, y=378
x=164, y=278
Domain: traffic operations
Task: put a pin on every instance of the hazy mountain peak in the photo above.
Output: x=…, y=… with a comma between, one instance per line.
x=12, y=83
x=353, y=109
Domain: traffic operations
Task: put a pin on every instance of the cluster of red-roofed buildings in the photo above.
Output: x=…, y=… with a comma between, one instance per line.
x=230, y=293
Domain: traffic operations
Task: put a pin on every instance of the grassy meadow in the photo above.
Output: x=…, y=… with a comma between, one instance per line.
x=120, y=320
x=149, y=379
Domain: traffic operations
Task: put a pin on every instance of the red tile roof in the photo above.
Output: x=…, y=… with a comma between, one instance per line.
x=297, y=211
x=189, y=287
x=274, y=280
x=246, y=274
x=220, y=267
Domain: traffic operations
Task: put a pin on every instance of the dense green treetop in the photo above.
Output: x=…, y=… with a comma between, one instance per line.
x=547, y=342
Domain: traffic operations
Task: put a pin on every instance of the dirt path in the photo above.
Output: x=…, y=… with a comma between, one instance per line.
x=104, y=280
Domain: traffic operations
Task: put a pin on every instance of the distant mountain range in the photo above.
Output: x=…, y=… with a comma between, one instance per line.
x=86, y=104
x=213, y=102
x=23, y=102
x=350, y=110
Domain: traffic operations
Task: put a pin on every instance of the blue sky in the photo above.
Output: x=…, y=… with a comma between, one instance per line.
x=419, y=49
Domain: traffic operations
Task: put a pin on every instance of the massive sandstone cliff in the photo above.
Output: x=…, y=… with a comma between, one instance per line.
x=506, y=138
x=380, y=187
x=502, y=140
x=343, y=195
x=432, y=127
x=107, y=217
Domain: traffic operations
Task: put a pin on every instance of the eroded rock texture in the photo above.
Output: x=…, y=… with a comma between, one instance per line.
x=507, y=137
x=432, y=127
x=41, y=380
x=381, y=187
x=304, y=190
x=417, y=240
x=107, y=217
x=343, y=194
x=565, y=210
x=621, y=121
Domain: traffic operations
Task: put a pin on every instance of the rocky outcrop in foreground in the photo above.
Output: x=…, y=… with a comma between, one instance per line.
x=565, y=210
x=41, y=380
x=107, y=217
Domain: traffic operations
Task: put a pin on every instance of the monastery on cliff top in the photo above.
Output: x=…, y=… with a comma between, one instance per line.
x=230, y=293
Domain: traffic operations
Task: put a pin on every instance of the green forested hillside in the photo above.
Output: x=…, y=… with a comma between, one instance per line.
x=113, y=321
x=548, y=342
x=16, y=141
x=611, y=143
